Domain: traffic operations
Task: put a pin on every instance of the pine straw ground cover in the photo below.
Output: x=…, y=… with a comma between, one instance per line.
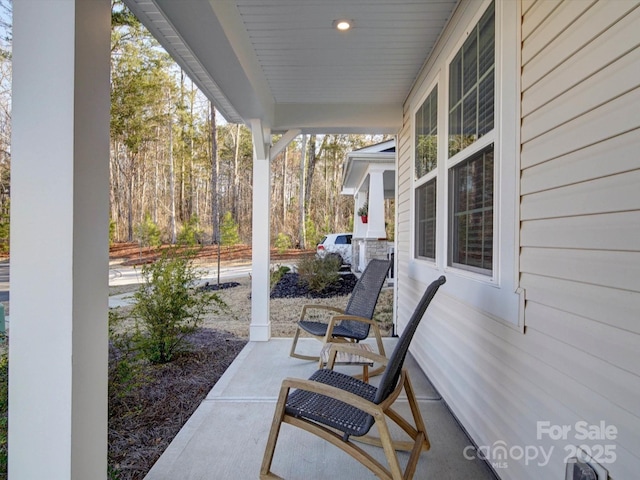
x=148, y=409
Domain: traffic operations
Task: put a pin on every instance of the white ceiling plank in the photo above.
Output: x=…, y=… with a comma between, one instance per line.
x=283, y=62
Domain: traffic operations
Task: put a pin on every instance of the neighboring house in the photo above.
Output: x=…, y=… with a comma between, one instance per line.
x=517, y=130
x=369, y=175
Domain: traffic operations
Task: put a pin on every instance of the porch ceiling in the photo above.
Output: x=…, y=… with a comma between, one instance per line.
x=281, y=61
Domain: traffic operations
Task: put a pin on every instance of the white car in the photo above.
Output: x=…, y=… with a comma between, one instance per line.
x=336, y=244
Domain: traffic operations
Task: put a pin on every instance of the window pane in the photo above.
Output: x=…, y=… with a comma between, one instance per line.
x=471, y=86
x=469, y=118
x=485, y=106
x=426, y=148
x=426, y=220
x=455, y=130
x=419, y=153
x=455, y=80
x=486, y=51
x=470, y=62
x=471, y=218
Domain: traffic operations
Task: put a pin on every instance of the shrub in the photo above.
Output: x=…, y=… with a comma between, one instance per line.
x=278, y=273
x=168, y=306
x=4, y=232
x=319, y=273
x=4, y=411
x=313, y=236
x=148, y=233
x=191, y=232
x=283, y=242
x=229, y=231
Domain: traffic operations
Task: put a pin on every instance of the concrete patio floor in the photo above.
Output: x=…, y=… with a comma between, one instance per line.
x=226, y=436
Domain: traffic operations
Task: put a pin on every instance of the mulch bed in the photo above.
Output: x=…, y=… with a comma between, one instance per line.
x=214, y=287
x=146, y=416
x=289, y=286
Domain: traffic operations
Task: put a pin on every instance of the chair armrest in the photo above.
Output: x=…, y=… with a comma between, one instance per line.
x=330, y=308
x=340, y=317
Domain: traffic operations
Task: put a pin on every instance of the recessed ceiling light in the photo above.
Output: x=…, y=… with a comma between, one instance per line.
x=342, y=24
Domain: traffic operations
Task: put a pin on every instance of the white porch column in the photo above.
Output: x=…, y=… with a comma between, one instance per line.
x=59, y=240
x=359, y=228
x=375, y=227
x=260, y=329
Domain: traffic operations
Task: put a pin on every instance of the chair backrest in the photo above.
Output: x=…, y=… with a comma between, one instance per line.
x=365, y=296
x=396, y=360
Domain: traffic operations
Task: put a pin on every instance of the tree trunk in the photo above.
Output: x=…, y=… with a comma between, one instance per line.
x=236, y=178
x=215, y=213
x=303, y=156
x=284, y=189
x=311, y=165
x=172, y=184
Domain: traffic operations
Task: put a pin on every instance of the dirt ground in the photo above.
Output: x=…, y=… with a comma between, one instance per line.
x=284, y=312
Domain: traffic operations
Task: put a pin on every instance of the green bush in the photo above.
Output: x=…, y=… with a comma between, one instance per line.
x=278, y=273
x=313, y=236
x=4, y=411
x=319, y=273
x=229, y=231
x=148, y=233
x=112, y=232
x=169, y=306
x=283, y=242
x=191, y=232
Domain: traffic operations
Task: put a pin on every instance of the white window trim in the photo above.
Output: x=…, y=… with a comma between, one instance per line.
x=498, y=295
x=418, y=182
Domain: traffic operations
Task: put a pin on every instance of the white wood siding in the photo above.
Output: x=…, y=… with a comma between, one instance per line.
x=579, y=359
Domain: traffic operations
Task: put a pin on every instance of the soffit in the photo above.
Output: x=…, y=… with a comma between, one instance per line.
x=283, y=62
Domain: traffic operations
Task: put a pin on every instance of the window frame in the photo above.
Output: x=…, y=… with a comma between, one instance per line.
x=498, y=294
x=417, y=245
x=452, y=235
x=470, y=151
x=428, y=177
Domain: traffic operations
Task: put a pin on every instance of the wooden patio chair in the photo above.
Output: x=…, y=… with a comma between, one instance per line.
x=354, y=322
x=335, y=407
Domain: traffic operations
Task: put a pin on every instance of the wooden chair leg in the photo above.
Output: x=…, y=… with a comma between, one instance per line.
x=417, y=432
x=380, y=369
x=389, y=450
x=278, y=415
x=415, y=412
x=293, y=353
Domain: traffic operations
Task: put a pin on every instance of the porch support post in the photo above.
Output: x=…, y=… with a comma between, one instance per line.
x=59, y=240
x=260, y=329
x=376, y=228
x=359, y=228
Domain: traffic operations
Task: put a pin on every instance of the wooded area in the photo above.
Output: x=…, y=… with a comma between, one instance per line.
x=5, y=122
x=178, y=171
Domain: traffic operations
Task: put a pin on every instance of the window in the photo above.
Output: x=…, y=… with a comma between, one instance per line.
x=343, y=240
x=426, y=161
x=471, y=213
x=426, y=220
x=426, y=152
x=465, y=221
x=471, y=86
x=471, y=114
